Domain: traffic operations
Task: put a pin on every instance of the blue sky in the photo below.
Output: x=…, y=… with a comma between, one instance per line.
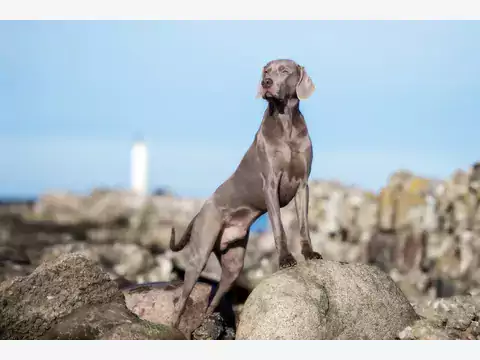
x=73, y=96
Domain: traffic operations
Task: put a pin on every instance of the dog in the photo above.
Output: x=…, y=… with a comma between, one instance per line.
x=274, y=171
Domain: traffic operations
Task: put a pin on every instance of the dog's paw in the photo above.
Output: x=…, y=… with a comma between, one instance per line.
x=312, y=255
x=287, y=261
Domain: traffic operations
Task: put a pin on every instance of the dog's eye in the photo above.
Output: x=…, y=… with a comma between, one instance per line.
x=283, y=70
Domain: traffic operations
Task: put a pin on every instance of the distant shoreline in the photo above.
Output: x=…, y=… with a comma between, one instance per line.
x=14, y=200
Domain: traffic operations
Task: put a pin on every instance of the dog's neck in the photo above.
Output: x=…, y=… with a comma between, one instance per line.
x=284, y=114
x=287, y=108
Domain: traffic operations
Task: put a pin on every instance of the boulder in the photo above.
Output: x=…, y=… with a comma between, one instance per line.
x=322, y=299
x=71, y=298
x=155, y=302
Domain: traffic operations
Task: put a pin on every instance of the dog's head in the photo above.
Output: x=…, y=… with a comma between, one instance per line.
x=283, y=80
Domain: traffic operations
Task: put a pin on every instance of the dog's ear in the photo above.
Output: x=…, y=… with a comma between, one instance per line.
x=305, y=86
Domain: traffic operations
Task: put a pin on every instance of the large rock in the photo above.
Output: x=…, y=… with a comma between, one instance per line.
x=70, y=298
x=326, y=300
x=155, y=302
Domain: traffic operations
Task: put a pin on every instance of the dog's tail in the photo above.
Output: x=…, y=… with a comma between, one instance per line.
x=185, y=238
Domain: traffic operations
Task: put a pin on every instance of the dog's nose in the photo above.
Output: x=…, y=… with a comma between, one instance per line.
x=266, y=83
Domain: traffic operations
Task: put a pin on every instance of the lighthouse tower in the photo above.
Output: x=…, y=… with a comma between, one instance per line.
x=139, y=168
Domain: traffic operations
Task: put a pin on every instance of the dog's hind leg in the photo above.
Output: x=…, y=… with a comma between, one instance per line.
x=205, y=232
x=231, y=260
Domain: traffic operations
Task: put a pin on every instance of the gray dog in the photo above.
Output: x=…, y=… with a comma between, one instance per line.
x=274, y=171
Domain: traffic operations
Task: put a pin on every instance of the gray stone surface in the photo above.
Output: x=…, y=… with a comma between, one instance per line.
x=451, y=318
x=69, y=298
x=325, y=300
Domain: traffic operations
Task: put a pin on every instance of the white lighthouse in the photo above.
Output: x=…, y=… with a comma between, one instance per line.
x=139, y=168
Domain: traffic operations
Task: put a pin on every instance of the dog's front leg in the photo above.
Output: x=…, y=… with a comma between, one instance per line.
x=301, y=207
x=270, y=187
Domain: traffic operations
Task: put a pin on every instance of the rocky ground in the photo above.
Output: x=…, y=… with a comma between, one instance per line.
x=71, y=298
x=424, y=233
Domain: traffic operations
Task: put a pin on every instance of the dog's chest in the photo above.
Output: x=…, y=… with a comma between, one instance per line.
x=289, y=147
x=293, y=167
x=289, y=155
x=292, y=172
x=294, y=157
